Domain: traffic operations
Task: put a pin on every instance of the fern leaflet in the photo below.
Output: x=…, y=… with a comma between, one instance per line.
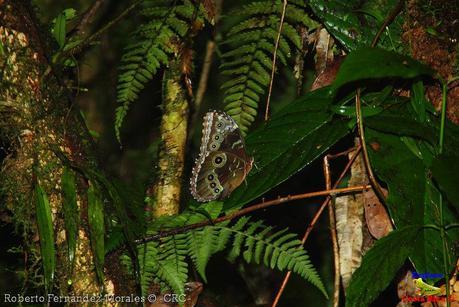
x=249, y=60
x=164, y=262
x=151, y=48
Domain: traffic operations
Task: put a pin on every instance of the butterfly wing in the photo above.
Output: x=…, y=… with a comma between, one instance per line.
x=223, y=162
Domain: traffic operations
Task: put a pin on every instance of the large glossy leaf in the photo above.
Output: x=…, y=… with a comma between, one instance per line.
x=294, y=137
x=70, y=213
x=412, y=198
x=46, y=234
x=428, y=256
x=451, y=145
x=398, y=120
x=97, y=229
x=445, y=170
x=404, y=174
x=354, y=23
x=419, y=101
x=380, y=264
x=375, y=63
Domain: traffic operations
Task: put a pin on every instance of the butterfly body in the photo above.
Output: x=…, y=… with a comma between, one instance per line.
x=223, y=163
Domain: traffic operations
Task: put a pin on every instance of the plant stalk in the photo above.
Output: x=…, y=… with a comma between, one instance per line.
x=442, y=228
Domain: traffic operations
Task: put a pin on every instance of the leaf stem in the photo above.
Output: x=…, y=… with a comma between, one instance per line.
x=281, y=23
x=392, y=15
x=442, y=228
x=431, y=226
x=450, y=226
x=366, y=159
x=378, y=190
x=443, y=116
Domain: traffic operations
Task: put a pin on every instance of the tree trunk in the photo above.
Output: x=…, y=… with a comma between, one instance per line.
x=165, y=193
x=37, y=120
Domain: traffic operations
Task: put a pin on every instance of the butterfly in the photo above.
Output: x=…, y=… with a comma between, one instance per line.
x=223, y=163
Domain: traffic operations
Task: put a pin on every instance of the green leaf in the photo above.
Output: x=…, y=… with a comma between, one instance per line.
x=163, y=263
x=418, y=101
x=427, y=256
x=412, y=198
x=403, y=173
x=374, y=63
x=70, y=213
x=280, y=250
x=59, y=30
x=350, y=110
x=46, y=234
x=397, y=120
x=150, y=48
x=380, y=264
x=201, y=248
x=96, y=229
x=445, y=171
x=293, y=138
x=2, y=49
x=249, y=59
x=354, y=23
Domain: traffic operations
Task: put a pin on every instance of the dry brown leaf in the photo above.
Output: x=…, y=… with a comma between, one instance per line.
x=376, y=216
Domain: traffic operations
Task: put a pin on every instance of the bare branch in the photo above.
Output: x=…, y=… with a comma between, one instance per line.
x=263, y=205
x=315, y=219
x=88, y=18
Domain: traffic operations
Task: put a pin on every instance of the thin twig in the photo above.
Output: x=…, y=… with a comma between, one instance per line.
x=248, y=210
x=210, y=49
x=374, y=183
x=392, y=15
x=202, y=87
x=332, y=220
x=314, y=221
x=205, y=71
x=88, y=17
x=299, y=58
x=343, y=153
x=276, y=46
x=358, y=109
x=86, y=42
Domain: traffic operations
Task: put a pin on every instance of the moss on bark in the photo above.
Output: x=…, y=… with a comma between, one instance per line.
x=37, y=119
x=165, y=194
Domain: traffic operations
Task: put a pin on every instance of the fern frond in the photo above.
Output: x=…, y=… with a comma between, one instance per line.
x=249, y=60
x=150, y=48
x=164, y=262
x=202, y=245
x=285, y=253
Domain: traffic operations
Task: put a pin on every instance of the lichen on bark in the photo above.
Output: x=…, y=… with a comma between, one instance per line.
x=165, y=193
x=36, y=120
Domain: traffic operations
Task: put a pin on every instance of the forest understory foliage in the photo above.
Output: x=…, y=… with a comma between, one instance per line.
x=348, y=107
